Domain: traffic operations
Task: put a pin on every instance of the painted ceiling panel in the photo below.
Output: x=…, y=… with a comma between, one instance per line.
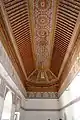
x=42, y=17
x=42, y=31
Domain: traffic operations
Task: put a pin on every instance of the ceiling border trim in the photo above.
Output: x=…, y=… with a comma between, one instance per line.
x=42, y=95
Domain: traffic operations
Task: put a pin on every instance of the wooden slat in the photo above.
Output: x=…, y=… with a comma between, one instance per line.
x=67, y=14
x=18, y=15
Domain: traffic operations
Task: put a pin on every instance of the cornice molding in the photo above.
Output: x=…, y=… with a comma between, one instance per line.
x=39, y=110
x=42, y=95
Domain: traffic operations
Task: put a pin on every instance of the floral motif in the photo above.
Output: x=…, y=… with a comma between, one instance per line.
x=42, y=33
x=43, y=5
x=43, y=24
x=42, y=95
x=42, y=20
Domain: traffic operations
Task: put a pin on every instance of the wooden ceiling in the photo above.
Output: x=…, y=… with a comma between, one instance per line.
x=40, y=35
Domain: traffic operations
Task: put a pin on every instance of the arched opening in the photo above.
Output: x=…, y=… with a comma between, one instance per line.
x=6, y=114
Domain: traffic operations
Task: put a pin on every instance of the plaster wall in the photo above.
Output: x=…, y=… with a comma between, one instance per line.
x=69, y=101
x=41, y=104
x=39, y=115
x=40, y=109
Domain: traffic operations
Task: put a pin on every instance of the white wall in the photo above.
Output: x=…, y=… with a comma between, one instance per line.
x=71, y=96
x=44, y=107
x=72, y=112
x=41, y=104
x=39, y=115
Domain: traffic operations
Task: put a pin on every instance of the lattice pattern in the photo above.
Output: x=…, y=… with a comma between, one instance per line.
x=67, y=14
x=17, y=11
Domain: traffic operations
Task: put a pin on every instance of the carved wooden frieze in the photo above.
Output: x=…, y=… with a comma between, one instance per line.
x=42, y=95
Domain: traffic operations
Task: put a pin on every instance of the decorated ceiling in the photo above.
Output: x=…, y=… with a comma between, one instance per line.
x=40, y=37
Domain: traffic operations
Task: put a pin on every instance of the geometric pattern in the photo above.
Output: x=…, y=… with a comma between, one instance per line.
x=42, y=95
x=42, y=16
x=42, y=78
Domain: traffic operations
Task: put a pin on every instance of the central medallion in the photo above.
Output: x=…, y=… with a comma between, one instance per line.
x=43, y=4
x=41, y=32
x=42, y=20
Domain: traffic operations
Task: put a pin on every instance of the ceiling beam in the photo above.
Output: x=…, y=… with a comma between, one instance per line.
x=32, y=74
x=53, y=74
x=52, y=34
